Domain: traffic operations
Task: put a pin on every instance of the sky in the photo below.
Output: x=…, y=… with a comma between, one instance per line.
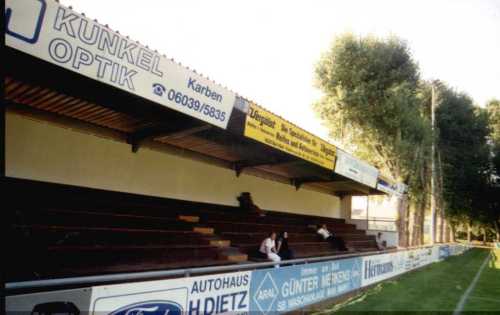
x=266, y=50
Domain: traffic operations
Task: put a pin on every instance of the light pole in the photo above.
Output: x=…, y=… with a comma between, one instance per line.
x=433, y=166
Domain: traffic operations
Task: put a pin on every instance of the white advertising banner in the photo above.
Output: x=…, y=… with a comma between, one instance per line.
x=214, y=294
x=350, y=167
x=420, y=257
x=56, y=34
x=391, y=188
x=379, y=267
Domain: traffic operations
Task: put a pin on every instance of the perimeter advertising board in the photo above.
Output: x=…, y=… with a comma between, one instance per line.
x=213, y=294
x=350, y=167
x=390, y=187
x=267, y=128
x=264, y=291
x=58, y=35
x=380, y=267
x=420, y=257
x=289, y=288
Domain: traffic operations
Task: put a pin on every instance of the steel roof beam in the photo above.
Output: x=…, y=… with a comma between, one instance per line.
x=175, y=132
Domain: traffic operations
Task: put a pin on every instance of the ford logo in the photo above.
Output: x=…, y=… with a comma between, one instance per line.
x=150, y=308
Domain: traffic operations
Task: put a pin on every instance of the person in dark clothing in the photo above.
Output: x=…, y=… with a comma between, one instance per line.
x=284, y=250
x=247, y=205
x=381, y=244
x=337, y=242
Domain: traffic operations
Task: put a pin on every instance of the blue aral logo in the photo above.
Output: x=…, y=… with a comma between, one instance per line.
x=266, y=294
x=150, y=308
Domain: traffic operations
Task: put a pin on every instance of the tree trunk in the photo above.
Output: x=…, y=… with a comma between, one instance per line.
x=484, y=236
x=497, y=231
x=421, y=221
x=403, y=213
x=413, y=225
x=442, y=226
x=445, y=231
x=438, y=226
x=417, y=224
x=469, y=228
x=452, y=230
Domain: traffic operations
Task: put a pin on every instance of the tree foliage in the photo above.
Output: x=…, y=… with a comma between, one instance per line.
x=463, y=133
x=375, y=105
x=371, y=101
x=493, y=211
x=493, y=109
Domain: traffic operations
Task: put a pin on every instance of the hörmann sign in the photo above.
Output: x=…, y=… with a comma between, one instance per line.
x=266, y=127
x=58, y=35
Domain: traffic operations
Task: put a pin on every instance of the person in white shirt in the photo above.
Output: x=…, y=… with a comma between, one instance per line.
x=337, y=242
x=268, y=248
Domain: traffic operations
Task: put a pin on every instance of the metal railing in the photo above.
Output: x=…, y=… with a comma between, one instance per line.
x=152, y=275
x=186, y=272
x=389, y=225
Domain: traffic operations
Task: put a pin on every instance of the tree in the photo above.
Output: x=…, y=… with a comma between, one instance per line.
x=373, y=104
x=463, y=133
x=493, y=213
x=493, y=108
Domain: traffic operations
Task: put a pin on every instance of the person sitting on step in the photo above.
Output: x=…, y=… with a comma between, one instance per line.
x=335, y=241
x=268, y=250
x=284, y=250
x=247, y=205
x=381, y=244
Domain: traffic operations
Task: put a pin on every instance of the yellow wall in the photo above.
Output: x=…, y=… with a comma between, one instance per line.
x=47, y=152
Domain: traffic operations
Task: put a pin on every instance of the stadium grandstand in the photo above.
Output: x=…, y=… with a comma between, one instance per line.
x=122, y=172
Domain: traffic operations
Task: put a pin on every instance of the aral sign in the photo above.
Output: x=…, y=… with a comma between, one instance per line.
x=60, y=36
x=292, y=287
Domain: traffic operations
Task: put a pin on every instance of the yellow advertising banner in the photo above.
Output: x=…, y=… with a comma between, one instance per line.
x=265, y=127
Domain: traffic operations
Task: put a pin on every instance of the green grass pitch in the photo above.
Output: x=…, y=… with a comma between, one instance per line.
x=436, y=288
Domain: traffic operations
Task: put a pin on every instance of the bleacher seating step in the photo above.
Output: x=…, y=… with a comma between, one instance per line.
x=203, y=230
x=189, y=218
x=82, y=232
x=232, y=254
x=220, y=243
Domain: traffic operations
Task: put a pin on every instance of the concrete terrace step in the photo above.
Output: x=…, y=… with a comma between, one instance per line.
x=73, y=235
x=264, y=222
x=232, y=254
x=223, y=227
x=203, y=230
x=116, y=248
x=189, y=218
x=220, y=243
x=101, y=219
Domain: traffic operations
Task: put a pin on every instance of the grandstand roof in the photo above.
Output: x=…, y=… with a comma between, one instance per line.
x=41, y=85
